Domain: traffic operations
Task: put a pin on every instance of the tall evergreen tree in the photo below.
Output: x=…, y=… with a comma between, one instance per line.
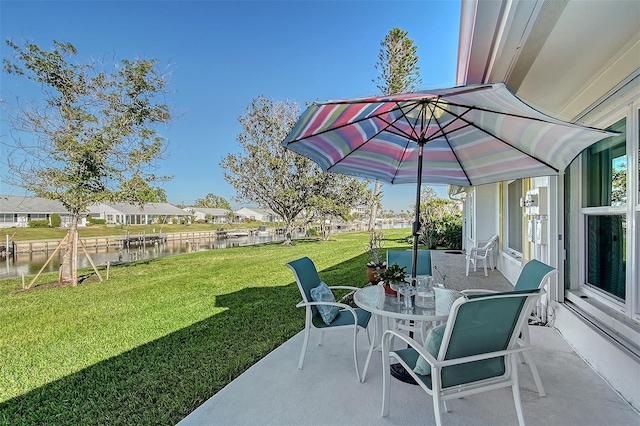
x=399, y=73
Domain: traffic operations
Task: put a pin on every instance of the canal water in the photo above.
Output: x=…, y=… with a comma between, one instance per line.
x=31, y=263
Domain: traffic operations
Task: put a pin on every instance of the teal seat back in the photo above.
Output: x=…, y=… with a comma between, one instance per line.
x=405, y=258
x=532, y=275
x=306, y=276
x=483, y=324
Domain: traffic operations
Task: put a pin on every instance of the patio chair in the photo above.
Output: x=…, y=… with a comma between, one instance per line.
x=476, y=352
x=482, y=254
x=347, y=318
x=423, y=267
x=405, y=258
x=533, y=276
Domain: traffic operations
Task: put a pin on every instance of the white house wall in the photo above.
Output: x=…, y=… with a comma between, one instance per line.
x=578, y=61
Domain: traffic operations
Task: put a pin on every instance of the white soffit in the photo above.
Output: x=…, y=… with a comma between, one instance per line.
x=593, y=46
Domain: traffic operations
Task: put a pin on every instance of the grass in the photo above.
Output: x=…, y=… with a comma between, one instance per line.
x=161, y=336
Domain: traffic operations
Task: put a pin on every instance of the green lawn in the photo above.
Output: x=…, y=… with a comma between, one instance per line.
x=160, y=337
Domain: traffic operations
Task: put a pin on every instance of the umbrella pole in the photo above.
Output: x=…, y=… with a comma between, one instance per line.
x=416, y=222
x=397, y=370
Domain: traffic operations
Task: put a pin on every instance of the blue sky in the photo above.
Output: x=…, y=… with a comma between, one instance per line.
x=224, y=54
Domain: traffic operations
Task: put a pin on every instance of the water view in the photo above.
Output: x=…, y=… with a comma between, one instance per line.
x=30, y=263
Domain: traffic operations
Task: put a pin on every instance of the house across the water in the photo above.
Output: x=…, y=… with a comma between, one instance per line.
x=17, y=211
x=133, y=214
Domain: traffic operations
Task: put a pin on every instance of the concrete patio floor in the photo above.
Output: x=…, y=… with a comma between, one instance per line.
x=326, y=391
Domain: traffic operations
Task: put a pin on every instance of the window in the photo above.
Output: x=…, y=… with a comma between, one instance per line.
x=602, y=226
x=8, y=217
x=607, y=253
x=604, y=174
x=514, y=219
x=604, y=195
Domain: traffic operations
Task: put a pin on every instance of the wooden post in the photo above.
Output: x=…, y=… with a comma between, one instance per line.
x=48, y=260
x=108, y=267
x=84, y=248
x=22, y=280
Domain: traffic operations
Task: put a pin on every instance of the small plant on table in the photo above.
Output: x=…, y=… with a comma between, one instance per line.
x=393, y=274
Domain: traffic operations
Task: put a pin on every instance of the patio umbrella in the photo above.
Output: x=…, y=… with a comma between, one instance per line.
x=464, y=136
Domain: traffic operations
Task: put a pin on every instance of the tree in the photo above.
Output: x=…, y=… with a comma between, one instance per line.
x=138, y=190
x=213, y=201
x=619, y=185
x=399, y=73
x=92, y=137
x=274, y=177
x=441, y=221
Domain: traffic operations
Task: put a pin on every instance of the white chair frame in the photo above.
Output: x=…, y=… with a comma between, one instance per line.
x=483, y=253
x=308, y=304
x=509, y=379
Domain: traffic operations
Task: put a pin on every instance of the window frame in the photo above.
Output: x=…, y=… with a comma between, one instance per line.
x=507, y=249
x=630, y=307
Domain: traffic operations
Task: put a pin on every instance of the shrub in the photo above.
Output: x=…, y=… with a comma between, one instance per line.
x=39, y=223
x=55, y=220
x=312, y=232
x=96, y=221
x=450, y=231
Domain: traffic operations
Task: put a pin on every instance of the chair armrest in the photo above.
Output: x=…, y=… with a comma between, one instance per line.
x=419, y=347
x=471, y=291
x=339, y=305
x=342, y=306
x=343, y=287
x=481, y=357
x=479, y=251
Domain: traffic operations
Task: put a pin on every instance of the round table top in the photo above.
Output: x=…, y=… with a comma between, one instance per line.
x=374, y=299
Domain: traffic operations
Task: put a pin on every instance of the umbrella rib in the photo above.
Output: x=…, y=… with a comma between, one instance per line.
x=413, y=129
x=524, y=117
x=388, y=125
x=368, y=117
x=489, y=87
x=453, y=151
x=469, y=123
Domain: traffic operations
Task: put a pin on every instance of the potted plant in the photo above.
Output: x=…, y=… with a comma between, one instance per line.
x=376, y=256
x=393, y=274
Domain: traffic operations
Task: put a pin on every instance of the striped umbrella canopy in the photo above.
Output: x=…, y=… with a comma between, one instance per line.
x=464, y=136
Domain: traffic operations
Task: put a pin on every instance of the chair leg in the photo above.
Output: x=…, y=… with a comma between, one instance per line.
x=321, y=338
x=515, y=387
x=437, y=387
x=484, y=264
x=355, y=351
x=307, y=331
x=386, y=378
x=524, y=335
x=534, y=372
x=468, y=261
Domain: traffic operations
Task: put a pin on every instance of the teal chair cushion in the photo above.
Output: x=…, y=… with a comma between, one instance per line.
x=344, y=317
x=322, y=293
x=432, y=345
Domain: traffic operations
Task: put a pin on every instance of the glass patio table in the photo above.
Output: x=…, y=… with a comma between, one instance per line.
x=375, y=300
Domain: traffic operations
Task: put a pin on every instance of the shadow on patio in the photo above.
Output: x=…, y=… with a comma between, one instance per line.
x=326, y=391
